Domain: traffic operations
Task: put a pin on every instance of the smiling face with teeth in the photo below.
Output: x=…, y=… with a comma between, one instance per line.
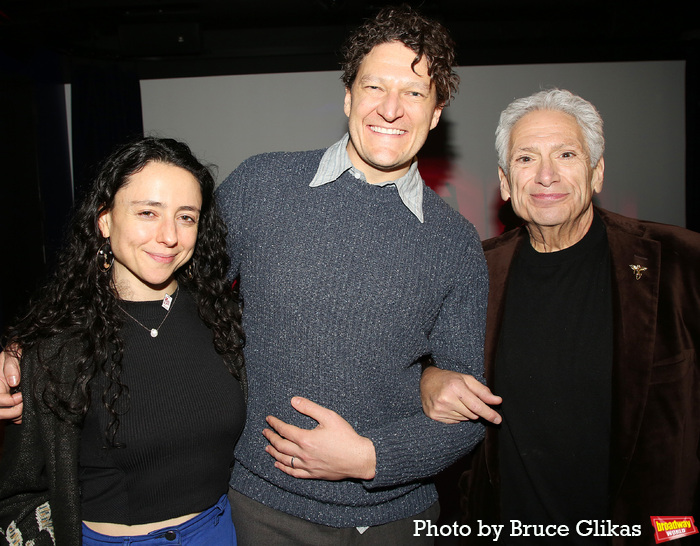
x=391, y=107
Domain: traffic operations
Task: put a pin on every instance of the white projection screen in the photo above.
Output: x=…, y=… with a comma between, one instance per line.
x=226, y=119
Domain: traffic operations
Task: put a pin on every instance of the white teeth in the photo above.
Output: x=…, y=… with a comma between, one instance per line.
x=386, y=131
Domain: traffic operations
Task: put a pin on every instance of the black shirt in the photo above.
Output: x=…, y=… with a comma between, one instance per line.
x=553, y=370
x=179, y=423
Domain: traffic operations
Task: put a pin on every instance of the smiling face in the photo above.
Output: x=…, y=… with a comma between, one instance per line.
x=390, y=109
x=550, y=181
x=152, y=229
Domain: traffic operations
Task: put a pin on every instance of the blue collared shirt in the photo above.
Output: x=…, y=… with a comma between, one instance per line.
x=336, y=161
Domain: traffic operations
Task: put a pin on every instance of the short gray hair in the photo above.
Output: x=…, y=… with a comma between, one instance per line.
x=558, y=100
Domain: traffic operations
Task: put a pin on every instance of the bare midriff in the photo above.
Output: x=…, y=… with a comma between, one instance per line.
x=120, y=530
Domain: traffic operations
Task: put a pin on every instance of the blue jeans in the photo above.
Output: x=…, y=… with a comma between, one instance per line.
x=213, y=526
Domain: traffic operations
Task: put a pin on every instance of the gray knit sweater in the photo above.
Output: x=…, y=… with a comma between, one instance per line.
x=343, y=290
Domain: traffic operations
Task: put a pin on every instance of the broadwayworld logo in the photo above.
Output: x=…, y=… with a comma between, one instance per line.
x=670, y=528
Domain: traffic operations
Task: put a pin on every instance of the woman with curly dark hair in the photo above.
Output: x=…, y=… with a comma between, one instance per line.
x=132, y=366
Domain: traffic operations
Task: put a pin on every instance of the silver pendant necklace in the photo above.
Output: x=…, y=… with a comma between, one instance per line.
x=168, y=303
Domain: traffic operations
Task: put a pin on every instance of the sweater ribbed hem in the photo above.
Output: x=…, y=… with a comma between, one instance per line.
x=333, y=515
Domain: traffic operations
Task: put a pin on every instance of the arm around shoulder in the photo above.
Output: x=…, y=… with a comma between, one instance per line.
x=10, y=398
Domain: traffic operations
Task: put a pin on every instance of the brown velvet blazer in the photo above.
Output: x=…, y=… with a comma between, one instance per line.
x=654, y=455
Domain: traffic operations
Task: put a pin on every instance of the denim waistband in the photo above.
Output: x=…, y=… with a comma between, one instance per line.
x=167, y=535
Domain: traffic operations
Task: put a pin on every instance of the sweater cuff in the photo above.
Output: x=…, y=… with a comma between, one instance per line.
x=403, y=458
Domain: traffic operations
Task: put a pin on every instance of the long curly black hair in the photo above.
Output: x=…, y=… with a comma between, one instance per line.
x=77, y=312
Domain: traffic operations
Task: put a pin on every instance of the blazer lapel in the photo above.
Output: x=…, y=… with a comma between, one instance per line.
x=636, y=264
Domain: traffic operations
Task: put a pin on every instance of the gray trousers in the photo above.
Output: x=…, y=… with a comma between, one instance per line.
x=260, y=525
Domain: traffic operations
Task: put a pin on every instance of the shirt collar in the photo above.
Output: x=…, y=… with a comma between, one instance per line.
x=336, y=161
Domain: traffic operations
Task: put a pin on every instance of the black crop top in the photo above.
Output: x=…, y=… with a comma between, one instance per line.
x=179, y=425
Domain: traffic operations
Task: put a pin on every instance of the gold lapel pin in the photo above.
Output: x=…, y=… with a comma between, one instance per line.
x=638, y=270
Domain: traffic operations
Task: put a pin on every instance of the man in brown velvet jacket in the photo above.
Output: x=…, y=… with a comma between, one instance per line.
x=594, y=351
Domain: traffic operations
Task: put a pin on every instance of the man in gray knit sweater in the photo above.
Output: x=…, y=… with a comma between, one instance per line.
x=352, y=272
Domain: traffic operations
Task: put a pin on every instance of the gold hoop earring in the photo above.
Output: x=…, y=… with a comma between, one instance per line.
x=105, y=258
x=191, y=270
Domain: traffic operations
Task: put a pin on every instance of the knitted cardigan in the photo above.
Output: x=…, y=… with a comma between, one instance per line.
x=39, y=493
x=344, y=290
